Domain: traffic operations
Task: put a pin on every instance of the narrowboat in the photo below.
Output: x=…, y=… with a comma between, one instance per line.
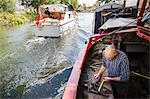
x=133, y=33
x=63, y=20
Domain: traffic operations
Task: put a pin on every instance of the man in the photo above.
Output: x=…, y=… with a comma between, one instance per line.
x=117, y=64
x=47, y=12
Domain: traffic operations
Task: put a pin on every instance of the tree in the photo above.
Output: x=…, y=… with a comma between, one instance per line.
x=26, y=2
x=7, y=6
x=33, y=3
x=67, y=2
x=37, y=3
x=52, y=1
x=75, y=4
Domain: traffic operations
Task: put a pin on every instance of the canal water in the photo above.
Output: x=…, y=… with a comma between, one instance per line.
x=37, y=67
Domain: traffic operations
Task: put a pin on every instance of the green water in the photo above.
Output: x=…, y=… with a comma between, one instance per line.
x=32, y=65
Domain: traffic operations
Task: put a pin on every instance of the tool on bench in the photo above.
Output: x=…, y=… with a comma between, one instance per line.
x=101, y=84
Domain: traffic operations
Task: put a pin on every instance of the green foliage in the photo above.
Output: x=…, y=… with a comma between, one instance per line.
x=26, y=2
x=52, y=1
x=33, y=3
x=8, y=19
x=75, y=4
x=7, y=6
x=36, y=3
x=67, y=2
x=30, y=15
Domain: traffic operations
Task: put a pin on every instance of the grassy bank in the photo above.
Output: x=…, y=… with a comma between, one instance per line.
x=8, y=19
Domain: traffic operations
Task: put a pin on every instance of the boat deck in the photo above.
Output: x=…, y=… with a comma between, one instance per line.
x=88, y=86
x=138, y=87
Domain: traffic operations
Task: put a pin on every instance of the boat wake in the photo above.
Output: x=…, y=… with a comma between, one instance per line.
x=40, y=67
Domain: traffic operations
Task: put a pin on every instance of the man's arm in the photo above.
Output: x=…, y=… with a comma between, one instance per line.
x=102, y=69
x=112, y=78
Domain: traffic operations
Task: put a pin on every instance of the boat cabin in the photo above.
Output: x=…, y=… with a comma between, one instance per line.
x=54, y=20
x=58, y=11
x=114, y=10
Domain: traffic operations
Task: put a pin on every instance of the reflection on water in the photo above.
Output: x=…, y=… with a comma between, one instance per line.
x=39, y=67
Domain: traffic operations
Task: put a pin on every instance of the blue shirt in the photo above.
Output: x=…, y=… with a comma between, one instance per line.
x=118, y=66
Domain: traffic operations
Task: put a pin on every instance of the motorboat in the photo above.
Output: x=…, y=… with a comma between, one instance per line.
x=62, y=22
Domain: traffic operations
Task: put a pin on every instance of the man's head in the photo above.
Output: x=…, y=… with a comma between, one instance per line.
x=115, y=43
x=110, y=52
x=47, y=8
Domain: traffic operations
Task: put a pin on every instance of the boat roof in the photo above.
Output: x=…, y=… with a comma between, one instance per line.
x=118, y=22
x=109, y=6
x=55, y=7
x=51, y=5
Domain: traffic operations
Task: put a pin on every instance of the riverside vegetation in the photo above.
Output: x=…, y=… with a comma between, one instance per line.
x=9, y=17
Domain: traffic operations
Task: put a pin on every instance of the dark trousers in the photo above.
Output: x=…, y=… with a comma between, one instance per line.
x=120, y=89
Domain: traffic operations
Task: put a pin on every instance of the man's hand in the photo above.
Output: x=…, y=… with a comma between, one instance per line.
x=96, y=77
x=107, y=79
